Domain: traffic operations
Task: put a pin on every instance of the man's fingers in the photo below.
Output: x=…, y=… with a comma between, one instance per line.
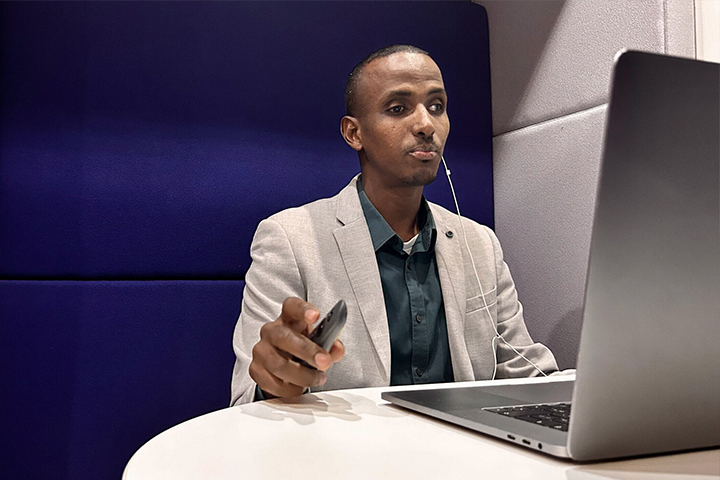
x=272, y=385
x=287, y=340
x=325, y=360
x=282, y=369
x=298, y=313
x=337, y=351
x=273, y=367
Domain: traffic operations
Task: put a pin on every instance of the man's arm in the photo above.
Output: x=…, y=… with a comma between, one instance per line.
x=273, y=324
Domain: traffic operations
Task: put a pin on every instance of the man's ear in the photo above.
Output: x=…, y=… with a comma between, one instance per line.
x=350, y=130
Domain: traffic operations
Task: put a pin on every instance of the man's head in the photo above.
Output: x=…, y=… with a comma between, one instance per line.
x=397, y=119
x=351, y=85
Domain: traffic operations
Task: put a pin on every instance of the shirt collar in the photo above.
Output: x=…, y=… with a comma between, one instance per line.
x=381, y=233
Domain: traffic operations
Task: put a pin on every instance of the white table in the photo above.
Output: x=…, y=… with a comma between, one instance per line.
x=350, y=434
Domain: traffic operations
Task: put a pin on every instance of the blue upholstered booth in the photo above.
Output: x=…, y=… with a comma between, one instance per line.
x=140, y=144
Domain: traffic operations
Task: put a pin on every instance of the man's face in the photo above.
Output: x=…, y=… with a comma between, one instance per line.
x=402, y=123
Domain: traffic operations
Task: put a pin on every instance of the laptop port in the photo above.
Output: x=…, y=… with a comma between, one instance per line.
x=526, y=442
x=511, y=437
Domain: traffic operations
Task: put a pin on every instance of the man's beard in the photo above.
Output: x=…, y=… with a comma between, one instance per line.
x=421, y=179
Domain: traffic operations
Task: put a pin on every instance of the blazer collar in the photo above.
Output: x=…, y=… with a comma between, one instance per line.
x=348, y=203
x=355, y=244
x=451, y=270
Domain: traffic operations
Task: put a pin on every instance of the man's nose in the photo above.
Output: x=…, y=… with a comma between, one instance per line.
x=423, y=122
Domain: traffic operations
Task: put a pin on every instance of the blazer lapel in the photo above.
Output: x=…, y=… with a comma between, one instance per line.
x=451, y=270
x=355, y=244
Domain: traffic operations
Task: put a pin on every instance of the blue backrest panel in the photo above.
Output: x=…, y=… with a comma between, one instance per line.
x=148, y=139
x=140, y=145
x=91, y=370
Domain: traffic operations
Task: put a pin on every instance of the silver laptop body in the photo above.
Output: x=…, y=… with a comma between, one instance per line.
x=648, y=371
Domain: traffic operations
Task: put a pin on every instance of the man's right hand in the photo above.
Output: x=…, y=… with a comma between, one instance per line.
x=272, y=366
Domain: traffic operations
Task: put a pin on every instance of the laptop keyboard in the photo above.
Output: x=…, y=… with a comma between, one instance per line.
x=553, y=415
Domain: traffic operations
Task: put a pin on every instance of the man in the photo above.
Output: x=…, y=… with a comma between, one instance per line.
x=418, y=311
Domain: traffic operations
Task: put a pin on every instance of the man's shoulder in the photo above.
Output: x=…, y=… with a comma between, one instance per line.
x=319, y=212
x=480, y=238
x=308, y=219
x=446, y=219
x=321, y=206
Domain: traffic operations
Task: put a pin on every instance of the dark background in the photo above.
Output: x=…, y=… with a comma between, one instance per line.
x=142, y=138
x=140, y=145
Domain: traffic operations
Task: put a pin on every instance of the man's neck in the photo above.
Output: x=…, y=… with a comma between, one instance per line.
x=398, y=206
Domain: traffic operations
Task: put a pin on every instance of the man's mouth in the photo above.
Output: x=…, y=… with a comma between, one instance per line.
x=424, y=153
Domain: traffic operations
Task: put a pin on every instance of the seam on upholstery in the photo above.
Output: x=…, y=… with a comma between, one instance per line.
x=549, y=120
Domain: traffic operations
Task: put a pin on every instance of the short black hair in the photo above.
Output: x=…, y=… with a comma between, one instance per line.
x=354, y=77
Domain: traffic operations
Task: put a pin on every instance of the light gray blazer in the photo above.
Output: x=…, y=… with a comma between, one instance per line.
x=322, y=252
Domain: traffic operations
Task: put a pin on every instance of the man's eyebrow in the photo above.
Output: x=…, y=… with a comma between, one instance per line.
x=399, y=93
x=408, y=93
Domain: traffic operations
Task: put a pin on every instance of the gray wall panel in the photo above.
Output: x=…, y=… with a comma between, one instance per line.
x=680, y=28
x=551, y=58
x=551, y=62
x=545, y=183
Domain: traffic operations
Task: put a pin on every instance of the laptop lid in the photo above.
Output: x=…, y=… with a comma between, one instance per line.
x=648, y=372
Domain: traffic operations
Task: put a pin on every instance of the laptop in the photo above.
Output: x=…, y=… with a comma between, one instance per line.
x=648, y=370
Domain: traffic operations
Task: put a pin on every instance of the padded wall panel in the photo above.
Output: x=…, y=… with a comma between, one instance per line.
x=147, y=139
x=680, y=28
x=554, y=57
x=545, y=186
x=92, y=370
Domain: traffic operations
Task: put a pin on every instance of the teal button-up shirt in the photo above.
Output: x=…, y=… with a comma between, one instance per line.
x=419, y=345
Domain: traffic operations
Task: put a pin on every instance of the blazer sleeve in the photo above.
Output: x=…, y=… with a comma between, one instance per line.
x=273, y=276
x=511, y=326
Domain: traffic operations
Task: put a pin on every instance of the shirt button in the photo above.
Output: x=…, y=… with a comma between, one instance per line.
x=419, y=372
x=449, y=234
x=409, y=266
x=418, y=317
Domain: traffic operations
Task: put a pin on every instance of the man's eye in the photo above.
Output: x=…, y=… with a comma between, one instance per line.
x=437, y=107
x=397, y=109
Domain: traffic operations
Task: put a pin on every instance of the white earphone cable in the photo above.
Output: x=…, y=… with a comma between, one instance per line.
x=482, y=293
